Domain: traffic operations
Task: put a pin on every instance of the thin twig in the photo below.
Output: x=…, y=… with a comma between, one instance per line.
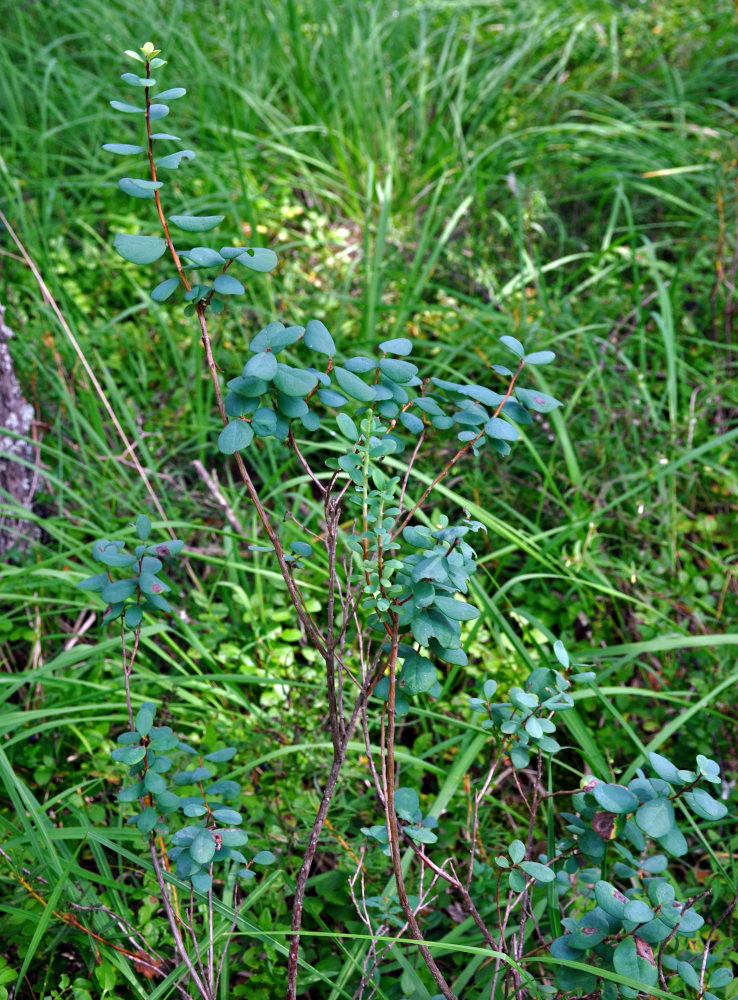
x=211, y=481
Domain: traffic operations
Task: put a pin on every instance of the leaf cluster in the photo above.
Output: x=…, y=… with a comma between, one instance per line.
x=216, y=836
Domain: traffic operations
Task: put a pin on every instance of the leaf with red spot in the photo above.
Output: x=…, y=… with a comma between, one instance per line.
x=151, y=584
x=541, y=402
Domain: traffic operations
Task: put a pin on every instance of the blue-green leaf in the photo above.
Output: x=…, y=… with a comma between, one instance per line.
x=157, y=111
x=421, y=834
x=122, y=148
x=233, y=838
x=203, y=256
x=139, y=188
x=264, y=421
x=656, y=818
x=139, y=249
x=94, y=583
x=258, y=258
x=541, y=873
x=235, y=436
x=304, y=549
x=317, y=338
x=133, y=615
x=458, y=610
x=500, y=429
x=540, y=358
x=145, y=718
x=195, y=223
x=224, y=814
x=165, y=289
x=615, y=798
x=131, y=793
x=173, y=160
x=398, y=371
x=203, y=848
x=702, y=803
x=628, y=962
x=514, y=345
x=201, y=881
x=347, y=427
x=638, y=911
x=172, y=94
x=398, y=345
x=411, y=423
x=130, y=109
x=417, y=676
x=275, y=336
x=263, y=366
x=118, y=591
x=516, y=850
x=353, y=386
x=154, y=782
x=407, y=804
x=294, y=381
x=561, y=654
x=128, y=755
x=331, y=398
x=688, y=974
x=138, y=81
x=226, y=284
x=147, y=820
x=540, y=402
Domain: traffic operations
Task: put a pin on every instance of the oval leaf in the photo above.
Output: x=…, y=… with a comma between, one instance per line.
x=457, y=610
x=171, y=95
x=407, y=803
x=173, y=160
x=263, y=366
x=318, y=339
x=195, y=223
x=540, y=358
x=615, y=798
x=294, y=381
x=139, y=249
x=129, y=109
x=540, y=402
x=541, y=873
x=122, y=148
x=514, y=345
x=118, y=591
x=354, y=386
x=235, y=436
x=203, y=256
x=139, y=188
x=157, y=111
x=203, y=848
x=164, y=290
x=258, y=259
x=224, y=814
x=399, y=345
x=226, y=284
x=500, y=429
x=656, y=818
x=145, y=718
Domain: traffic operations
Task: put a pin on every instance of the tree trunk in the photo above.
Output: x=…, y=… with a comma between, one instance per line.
x=18, y=478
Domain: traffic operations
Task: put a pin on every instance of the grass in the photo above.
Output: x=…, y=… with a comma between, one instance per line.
x=564, y=173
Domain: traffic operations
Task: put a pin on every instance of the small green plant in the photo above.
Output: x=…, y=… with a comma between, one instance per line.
x=396, y=579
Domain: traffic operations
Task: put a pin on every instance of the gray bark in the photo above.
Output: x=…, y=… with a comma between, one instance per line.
x=18, y=480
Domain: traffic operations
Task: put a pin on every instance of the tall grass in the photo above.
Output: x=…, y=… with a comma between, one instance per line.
x=451, y=171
